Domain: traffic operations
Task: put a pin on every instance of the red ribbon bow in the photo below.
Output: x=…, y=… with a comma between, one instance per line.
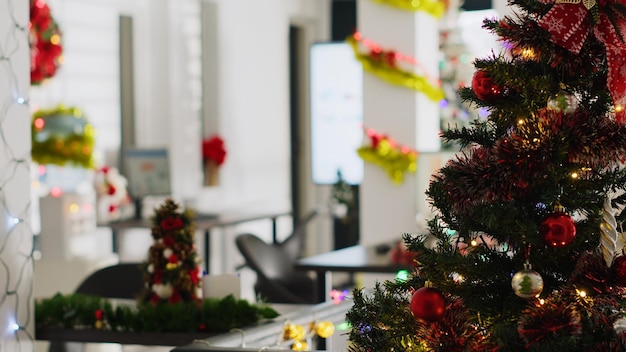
x=569, y=25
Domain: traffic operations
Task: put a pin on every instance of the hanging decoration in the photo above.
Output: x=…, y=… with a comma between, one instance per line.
x=386, y=153
x=435, y=8
x=608, y=233
x=571, y=22
x=45, y=43
x=484, y=87
x=558, y=229
x=61, y=136
x=527, y=283
x=386, y=64
x=428, y=304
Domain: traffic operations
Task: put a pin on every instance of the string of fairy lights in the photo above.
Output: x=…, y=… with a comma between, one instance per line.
x=16, y=237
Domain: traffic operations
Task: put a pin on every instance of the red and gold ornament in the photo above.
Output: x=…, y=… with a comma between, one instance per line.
x=484, y=86
x=428, y=304
x=558, y=229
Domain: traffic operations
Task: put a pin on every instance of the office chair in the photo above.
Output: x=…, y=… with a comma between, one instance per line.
x=121, y=281
x=274, y=264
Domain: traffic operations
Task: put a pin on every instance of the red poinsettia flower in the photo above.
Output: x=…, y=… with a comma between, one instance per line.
x=193, y=274
x=155, y=299
x=171, y=223
x=158, y=276
x=213, y=149
x=175, y=297
x=168, y=241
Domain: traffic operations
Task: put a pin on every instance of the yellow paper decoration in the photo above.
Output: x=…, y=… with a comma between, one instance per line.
x=395, y=75
x=393, y=159
x=435, y=8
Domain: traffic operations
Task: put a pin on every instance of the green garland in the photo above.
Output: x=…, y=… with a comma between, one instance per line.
x=216, y=315
x=394, y=75
x=434, y=8
x=74, y=148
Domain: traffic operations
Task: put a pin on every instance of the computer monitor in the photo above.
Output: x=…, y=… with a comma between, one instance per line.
x=147, y=171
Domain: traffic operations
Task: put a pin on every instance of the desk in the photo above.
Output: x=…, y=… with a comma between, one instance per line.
x=354, y=259
x=203, y=223
x=265, y=332
x=264, y=336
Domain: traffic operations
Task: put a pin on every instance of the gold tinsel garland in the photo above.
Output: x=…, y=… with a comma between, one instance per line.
x=71, y=147
x=435, y=8
x=394, y=75
x=390, y=156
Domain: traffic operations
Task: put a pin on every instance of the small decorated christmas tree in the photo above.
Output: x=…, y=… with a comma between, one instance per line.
x=172, y=270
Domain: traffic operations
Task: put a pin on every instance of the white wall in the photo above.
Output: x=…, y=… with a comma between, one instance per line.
x=16, y=238
x=251, y=97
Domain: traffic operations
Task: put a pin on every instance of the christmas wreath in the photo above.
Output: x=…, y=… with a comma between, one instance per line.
x=45, y=43
x=61, y=136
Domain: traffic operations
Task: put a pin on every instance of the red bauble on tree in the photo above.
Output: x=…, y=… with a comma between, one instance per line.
x=484, y=87
x=618, y=269
x=428, y=304
x=558, y=229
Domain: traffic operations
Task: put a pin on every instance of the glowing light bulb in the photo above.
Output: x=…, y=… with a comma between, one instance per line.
x=574, y=175
x=55, y=39
x=521, y=121
x=619, y=108
x=74, y=208
x=542, y=301
x=20, y=100
x=528, y=53
x=402, y=275
x=474, y=243
x=15, y=326
x=56, y=192
x=581, y=293
x=39, y=123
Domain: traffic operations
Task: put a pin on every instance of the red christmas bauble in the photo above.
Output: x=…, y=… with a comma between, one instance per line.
x=619, y=270
x=558, y=229
x=428, y=305
x=484, y=86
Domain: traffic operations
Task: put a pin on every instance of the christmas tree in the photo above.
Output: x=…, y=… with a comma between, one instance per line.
x=172, y=269
x=525, y=252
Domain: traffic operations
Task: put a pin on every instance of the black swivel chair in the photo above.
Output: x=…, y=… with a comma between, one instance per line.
x=121, y=281
x=274, y=265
